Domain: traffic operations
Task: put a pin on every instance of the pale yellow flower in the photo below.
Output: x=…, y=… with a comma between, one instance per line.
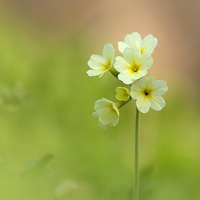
x=101, y=64
x=147, y=45
x=133, y=65
x=147, y=93
x=107, y=112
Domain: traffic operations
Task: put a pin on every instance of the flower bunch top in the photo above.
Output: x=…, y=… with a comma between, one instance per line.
x=130, y=68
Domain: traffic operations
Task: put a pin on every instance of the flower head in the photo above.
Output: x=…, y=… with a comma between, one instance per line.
x=147, y=93
x=123, y=94
x=101, y=64
x=147, y=45
x=133, y=65
x=107, y=112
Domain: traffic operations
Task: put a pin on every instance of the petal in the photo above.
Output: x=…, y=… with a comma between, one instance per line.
x=115, y=108
x=130, y=77
x=125, y=78
x=121, y=65
x=135, y=94
x=109, y=116
x=133, y=39
x=132, y=55
x=95, y=72
x=157, y=102
x=148, y=44
x=159, y=87
x=143, y=104
x=115, y=121
x=107, y=101
x=103, y=126
x=98, y=59
x=97, y=62
x=136, y=90
x=109, y=53
x=147, y=64
x=137, y=87
x=146, y=61
x=105, y=117
x=122, y=46
x=115, y=116
x=102, y=104
x=146, y=81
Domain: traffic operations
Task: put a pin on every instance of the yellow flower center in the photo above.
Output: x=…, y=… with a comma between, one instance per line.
x=135, y=67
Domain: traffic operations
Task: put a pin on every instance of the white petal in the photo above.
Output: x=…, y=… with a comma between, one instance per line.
x=107, y=112
x=132, y=55
x=98, y=58
x=95, y=72
x=135, y=94
x=136, y=90
x=147, y=64
x=133, y=39
x=103, y=126
x=115, y=121
x=109, y=53
x=137, y=87
x=96, y=62
x=109, y=117
x=145, y=81
x=129, y=77
x=125, y=78
x=107, y=101
x=157, y=102
x=122, y=46
x=102, y=103
x=146, y=61
x=143, y=104
x=148, y=44
x=105, y=117
x=159, y=87
x=121, y=65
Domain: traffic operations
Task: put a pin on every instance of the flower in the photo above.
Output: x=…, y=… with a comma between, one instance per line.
x=132, y=65
x=123, y=94
x=101, y=64
x=107, y=112
x=147, y=93
x=147, y=45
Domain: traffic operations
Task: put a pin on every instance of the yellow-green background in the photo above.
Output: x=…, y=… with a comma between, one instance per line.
x=51, y=147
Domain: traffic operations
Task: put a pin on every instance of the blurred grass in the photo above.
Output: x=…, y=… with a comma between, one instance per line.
x=52, y=148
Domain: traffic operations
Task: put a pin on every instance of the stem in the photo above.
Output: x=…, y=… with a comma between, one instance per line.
x=122, y=103
x=114, y=72
x=136, y=191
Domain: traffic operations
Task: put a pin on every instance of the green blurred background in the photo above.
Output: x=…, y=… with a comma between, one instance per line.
x=51, y=147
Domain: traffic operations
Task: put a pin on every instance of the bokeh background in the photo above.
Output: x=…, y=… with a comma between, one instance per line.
x=51, y=148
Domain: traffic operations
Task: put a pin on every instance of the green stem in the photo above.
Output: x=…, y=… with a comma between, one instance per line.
x=136, y=188
x=122, y=103
x=114, y=72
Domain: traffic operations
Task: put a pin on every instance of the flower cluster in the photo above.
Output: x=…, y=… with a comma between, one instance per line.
x=130, y=68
